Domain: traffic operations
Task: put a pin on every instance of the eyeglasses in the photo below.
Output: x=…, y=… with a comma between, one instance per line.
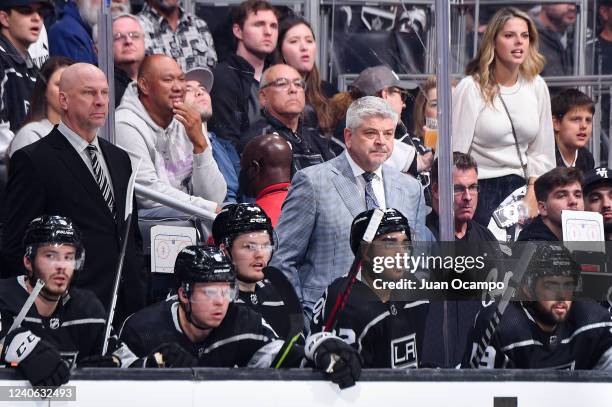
x=284, y=83
x=461, y=189
x=43, y=11
x=133, y=35
x=403, y=93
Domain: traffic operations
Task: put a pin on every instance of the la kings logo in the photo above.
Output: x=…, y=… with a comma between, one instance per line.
x=404, y=352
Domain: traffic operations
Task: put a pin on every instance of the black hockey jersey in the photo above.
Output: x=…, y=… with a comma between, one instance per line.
x=244, y=338
x=76, y=327
x=387, y=335
x=266, y=301
x=583, y=341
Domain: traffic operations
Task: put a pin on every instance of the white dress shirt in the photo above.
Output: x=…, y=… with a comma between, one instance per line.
x=377, y=182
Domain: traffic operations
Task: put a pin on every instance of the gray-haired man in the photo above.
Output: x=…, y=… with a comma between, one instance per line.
x=324, y=199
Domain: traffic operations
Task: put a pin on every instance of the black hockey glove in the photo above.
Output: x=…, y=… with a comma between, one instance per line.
x=99, y=361
x=170, y=355
x=36, y=359
x=339, y=360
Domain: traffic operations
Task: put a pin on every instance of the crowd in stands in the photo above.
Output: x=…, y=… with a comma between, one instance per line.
x=294, y=170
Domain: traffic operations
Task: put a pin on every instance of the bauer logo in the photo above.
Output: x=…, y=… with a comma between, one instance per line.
x=404, y=352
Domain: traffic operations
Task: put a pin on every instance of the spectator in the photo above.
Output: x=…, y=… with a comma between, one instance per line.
x=198, y=84
x=68, y=173
x=119, y=7
x=501, y=112
x=128, y=52
x=71, y=36
x=171, y=31
x=548, y=328
x=557, y=190
x=153, y=123
x=45, y=110
x=553, y=22
x=598, y=196
x=20, y=25
x=265, y=173
x=426, y=105
x=400, y=324
x=572, y=113
x=282, y=100
x=255, y=28
x=297, y=47
x=603, y=65
x=383, y=82
x=324, y=199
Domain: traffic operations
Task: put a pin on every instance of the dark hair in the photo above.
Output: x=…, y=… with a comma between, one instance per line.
x=314, y=94
x=461, y=162
x=557, y=177
x=241, y=12
x=570, y=99
x=38, y=98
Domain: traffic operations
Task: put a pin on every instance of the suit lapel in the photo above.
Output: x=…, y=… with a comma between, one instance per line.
x=393, y=192
x=75, y=165
x=346, y=185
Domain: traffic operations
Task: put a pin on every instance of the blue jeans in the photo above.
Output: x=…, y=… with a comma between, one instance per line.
x=492, y=192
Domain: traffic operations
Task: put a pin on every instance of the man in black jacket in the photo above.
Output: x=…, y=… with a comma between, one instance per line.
x=556, y=38
x=557, y=190
x=255, y=28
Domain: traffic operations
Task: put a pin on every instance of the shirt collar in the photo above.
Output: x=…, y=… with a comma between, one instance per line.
x=358, y=171
x=77, y=142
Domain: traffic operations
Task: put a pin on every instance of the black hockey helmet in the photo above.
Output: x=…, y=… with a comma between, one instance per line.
x=203, y=264
x=53, y=230
x=235, y=219
x=552, y=259
x=392, y=221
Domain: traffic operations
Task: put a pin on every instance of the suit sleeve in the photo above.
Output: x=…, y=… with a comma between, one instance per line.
x=295, y=227
x=25, y=200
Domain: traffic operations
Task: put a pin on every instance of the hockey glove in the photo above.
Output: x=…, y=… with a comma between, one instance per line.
x=170, y=355
x=339, y=360
x=36, y=359
x=99, y=361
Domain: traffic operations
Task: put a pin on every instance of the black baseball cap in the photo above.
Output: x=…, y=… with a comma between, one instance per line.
x=8, y=4
x=595, y=178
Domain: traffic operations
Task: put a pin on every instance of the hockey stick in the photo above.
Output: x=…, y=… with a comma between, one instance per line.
x=521, y=267
x=25, y=309
x=296, y=317
x=368, y=236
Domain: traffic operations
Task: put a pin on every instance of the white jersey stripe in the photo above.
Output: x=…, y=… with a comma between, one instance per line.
x=370, y=325
x=521, y=344
x=84, y=321
x=586, y=328
x=236, y=338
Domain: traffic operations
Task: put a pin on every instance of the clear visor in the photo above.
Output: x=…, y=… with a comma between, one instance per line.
x=56, y=255
x=249, y=244
x=207, y=293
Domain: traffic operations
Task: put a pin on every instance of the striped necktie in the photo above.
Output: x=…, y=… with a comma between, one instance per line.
x=370, y=196
x=101, y=179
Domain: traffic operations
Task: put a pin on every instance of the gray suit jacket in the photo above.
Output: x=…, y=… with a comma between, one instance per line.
x=316, y=217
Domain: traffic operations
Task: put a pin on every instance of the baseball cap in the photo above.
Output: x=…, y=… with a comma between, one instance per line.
x=374, y=79
x=7, y=4
x=596, y=177
x=202, y=75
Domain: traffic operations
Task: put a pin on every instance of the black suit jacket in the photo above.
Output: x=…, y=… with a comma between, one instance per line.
x=49, y=177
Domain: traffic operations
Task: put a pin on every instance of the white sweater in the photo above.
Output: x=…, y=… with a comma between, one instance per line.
x=487, y=128
x=29, y=134
x=168, y=163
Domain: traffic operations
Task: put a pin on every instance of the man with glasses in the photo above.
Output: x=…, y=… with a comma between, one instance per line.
x=545, y=327
x=21, y=22
x=203, y=325
x=128, y=52
x=282, y=99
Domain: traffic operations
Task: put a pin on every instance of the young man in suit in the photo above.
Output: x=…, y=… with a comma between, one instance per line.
x=324, y=199
x=74, y=173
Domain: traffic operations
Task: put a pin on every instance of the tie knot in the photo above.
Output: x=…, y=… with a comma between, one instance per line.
x=92, y=148
x=368, y=176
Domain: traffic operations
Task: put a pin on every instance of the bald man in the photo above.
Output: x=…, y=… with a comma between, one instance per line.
x=282, y=99
x=154, y=123
x=265, y=172
x=72, y=172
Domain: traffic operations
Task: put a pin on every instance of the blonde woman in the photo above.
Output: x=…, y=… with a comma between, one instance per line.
x=501, y=112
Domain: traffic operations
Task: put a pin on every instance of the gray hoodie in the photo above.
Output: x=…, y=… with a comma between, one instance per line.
x=168, y=163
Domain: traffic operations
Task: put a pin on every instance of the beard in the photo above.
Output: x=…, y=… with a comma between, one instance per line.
x=89, y=12
x=206, y=114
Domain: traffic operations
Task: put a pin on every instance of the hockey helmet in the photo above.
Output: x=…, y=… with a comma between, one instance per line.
x=53, y=230
x=203, y=264
x=392, y=221
x=235, y=219
x=553, y=259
